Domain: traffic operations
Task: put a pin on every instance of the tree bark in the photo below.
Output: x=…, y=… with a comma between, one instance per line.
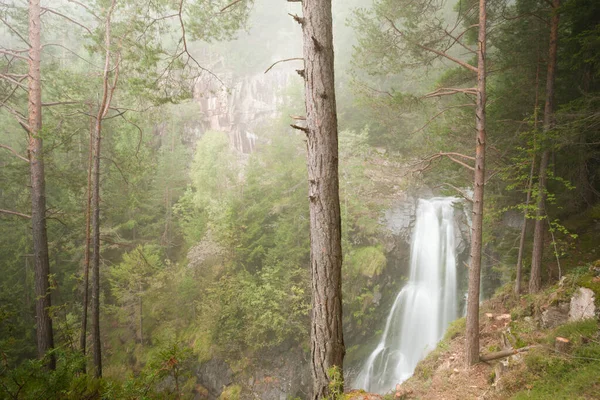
x=86, y=265
x=535, y=280
x=45, y=338
x=472, y=334
x=327, y=342
x=95, y=260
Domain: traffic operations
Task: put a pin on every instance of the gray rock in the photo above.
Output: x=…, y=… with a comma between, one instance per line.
x=582, y=305
x=555, y=315
x=214, y=375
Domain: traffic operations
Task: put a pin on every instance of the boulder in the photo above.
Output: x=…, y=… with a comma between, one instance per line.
x=555, y=315
x=582, y=305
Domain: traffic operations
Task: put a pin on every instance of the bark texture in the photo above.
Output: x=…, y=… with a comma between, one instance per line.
x=535, y=280
x=472, y=339
x=45, y=338
x=95, y=259
x=327, y=342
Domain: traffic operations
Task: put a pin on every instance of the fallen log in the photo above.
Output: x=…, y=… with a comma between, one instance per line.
x=503, y=353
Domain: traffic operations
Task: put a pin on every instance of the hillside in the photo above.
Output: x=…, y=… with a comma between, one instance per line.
x=554, y=339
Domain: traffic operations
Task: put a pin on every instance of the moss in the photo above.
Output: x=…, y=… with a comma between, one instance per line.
x=368, y=261
x=232, y=392
x=560, y=378
x=575, y=331
x=455, y=329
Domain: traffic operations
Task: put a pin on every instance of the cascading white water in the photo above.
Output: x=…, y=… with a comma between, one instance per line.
x=425, y=305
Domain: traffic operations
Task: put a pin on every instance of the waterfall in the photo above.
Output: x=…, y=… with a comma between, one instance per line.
x=425, y=305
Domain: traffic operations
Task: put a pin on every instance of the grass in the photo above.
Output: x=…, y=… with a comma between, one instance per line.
x=565, y=376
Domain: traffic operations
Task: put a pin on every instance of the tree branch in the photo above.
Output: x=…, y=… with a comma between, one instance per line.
x=14, y=55
x=15, y=213
x=68, y=19
x=285, y=60
x=3, y=146
x=15, y=31
x=449, y=91
x=439, y=53
x=440, y=113
x=230, y=5
x=185, y=48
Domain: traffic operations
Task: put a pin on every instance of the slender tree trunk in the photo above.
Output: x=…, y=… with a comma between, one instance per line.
x=327, y=342
x=45, y=338
x=107, y=93
x=95, y=260
x=529, y=185
x=535, y=280
x=86, y=265
x=524, y=231
x=472, y=339
x=140, y=304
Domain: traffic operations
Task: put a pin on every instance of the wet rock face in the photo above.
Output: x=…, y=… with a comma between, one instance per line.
x=286, y=375
x=240, y=105
x=214, y=375
x=582, y=305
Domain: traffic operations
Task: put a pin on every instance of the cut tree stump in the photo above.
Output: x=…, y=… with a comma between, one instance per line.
x=562, y=345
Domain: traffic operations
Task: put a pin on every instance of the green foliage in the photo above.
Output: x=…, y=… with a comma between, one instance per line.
x=335, y=388
x=232, y=392
x=367, y=261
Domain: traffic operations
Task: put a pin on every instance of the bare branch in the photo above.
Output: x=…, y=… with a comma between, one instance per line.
x=450, y=155
x=62, y=103
x=89, y=10
x=68, y=19
x=10, y=53
x=460, y=191
x=118, y=168
x=300, y=128
x=285, y=60
x=13, y=81
x=15, y=31
x=72, y=52
x=3, y=146
x=440, y=113
x=449, y=91
x=15, y=213
x=185, y=48
x=230, y=5
x=457, y=41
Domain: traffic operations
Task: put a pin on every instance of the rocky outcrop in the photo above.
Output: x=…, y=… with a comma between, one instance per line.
x=213, y=375
x=555, y=315
x=238, y=105
x=582, y=305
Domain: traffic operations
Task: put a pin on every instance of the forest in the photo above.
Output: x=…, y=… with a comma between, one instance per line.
x=300, y=199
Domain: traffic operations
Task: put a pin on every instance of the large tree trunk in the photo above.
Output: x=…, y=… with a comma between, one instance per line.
x=86, y=266
x=327, y=342
x=535, y=280
x=472, y=339
x=45, y=338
